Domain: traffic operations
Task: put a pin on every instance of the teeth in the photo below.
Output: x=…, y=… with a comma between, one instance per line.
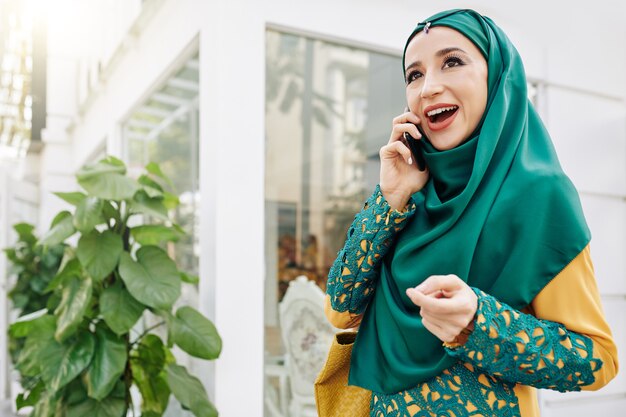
x=440, y=110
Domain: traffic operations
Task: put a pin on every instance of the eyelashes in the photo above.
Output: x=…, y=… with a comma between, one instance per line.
x=449, y=61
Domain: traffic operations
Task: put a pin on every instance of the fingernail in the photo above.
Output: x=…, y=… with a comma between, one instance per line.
x=410, y=160
x=410, y=291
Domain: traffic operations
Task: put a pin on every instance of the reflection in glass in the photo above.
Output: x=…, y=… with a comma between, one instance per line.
x=164, y=129
x=329, y=109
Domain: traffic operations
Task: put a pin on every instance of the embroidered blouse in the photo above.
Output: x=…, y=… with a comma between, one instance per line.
x=561, y=341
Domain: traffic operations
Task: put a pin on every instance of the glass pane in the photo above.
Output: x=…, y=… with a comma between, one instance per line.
x=164, y=129
x=329, y=109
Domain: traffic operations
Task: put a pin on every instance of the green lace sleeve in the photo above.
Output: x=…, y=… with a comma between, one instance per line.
x=520, y=348
x=352, y=277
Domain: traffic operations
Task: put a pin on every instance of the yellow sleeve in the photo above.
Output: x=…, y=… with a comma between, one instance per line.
x=341, y=320
x=572, y=299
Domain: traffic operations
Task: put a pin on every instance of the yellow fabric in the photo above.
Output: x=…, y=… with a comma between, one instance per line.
x=341, y=320
x=572, y=299
x=333, y=396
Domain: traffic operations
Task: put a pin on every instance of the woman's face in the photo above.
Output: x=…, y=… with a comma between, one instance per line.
x=446, y=87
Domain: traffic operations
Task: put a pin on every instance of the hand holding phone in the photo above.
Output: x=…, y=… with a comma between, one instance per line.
x=416, y=151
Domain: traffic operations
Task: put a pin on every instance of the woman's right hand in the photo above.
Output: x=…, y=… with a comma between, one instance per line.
x=399, y=176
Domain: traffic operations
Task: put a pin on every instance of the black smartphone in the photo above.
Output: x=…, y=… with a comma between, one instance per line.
x=416, y=150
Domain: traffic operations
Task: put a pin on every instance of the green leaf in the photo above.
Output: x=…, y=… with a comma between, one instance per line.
x=152, y=188
x=75, y=299
x=147, y=369
x=109, y=212
x=170, y=201
x=109, y=407
x=195, y=334
x=119, y=309
x=36, y=322
x=191, y=279
x=64, y=362
x=189, y=391
x=99, y=253
x=32, y=398
x=154, y=169
x=109, y=362
x=142, y=203
x=25, y=232
x=62, y=228
x=154, y=234
x=74, y=198
x=88, y=214
x=153, y=279
x=107, y=180
x=71, y=269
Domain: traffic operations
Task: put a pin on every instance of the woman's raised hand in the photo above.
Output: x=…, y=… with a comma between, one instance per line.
x=399, y=175
x=447, y=305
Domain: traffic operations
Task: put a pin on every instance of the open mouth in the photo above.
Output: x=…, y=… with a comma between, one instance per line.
x=441, y=114
x=441, y=117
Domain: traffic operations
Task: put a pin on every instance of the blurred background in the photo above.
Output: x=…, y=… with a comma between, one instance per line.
x=268, y=116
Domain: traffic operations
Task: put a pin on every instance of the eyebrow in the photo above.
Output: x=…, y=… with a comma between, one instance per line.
x=438, y=54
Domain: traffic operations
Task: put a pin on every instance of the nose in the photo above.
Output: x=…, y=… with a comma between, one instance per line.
x=431, y=86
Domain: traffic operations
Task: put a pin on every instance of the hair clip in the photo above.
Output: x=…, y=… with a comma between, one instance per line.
x=426, y=27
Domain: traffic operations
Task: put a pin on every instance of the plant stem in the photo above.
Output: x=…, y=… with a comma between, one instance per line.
x=148, y=330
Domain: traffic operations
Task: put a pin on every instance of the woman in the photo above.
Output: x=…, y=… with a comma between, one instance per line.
x=485, y=250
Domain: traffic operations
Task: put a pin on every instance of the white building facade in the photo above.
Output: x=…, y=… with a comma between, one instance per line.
x=267, y=115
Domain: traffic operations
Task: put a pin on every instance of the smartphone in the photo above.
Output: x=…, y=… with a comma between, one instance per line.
x=416, y=150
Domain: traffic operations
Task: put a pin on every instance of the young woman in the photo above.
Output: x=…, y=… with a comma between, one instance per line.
x=471, y=281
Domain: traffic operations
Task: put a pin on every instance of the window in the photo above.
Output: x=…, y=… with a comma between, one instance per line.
x=329, y=109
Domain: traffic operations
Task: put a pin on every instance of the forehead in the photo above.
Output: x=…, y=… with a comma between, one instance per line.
x=425, y=45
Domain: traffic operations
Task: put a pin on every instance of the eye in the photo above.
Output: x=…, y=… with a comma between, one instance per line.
x=412, y=76
x=453, y=61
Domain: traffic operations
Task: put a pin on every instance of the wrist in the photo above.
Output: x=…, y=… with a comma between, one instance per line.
x=396, y=200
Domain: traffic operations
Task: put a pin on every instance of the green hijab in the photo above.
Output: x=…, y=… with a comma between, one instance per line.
x=498, y=211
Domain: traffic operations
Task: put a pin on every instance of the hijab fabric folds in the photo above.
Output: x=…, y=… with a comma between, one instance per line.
x=498, y=212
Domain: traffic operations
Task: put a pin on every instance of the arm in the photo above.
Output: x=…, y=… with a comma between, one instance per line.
x=352, y=277
x=568, y=346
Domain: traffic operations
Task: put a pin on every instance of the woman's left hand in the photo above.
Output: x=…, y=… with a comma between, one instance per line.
x=447, y=305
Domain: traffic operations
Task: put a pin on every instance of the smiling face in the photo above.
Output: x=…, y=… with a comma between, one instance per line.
x=446, y=87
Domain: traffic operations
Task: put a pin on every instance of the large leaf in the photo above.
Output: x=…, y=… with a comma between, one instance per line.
x=120, y=309
x=142, y=203
x=195, y=334
x=154, y=234
x=109, y=362
x=25, y=232
x=152, y=188
x=62, y=228
x=154, y=169
x=99, y=252
x=32, y=398
x=153, y=279
x=147, y=366
x=75, y=299
x=109, y=407
x=88, y=214
x=73, y=198
x=71, y=269
x=189, y=391
x=36, y=322
x=107, y=180
x=61, y=363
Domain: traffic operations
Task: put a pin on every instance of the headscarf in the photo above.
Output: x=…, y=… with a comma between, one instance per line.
x=497, y=211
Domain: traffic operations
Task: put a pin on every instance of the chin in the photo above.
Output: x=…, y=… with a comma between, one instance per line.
x=446, y=142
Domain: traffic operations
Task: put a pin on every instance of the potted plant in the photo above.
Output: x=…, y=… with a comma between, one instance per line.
x=83, y=353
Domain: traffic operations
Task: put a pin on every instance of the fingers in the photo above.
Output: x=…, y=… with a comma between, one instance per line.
x=391, y=150
x=405, y=123
x=445, y=283
x=431, y=302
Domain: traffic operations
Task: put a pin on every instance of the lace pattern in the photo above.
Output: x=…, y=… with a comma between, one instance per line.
x=352, y=277
x=460, y=391
x=520, y=348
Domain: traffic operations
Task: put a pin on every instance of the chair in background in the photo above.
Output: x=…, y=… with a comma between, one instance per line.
x=307, y=336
